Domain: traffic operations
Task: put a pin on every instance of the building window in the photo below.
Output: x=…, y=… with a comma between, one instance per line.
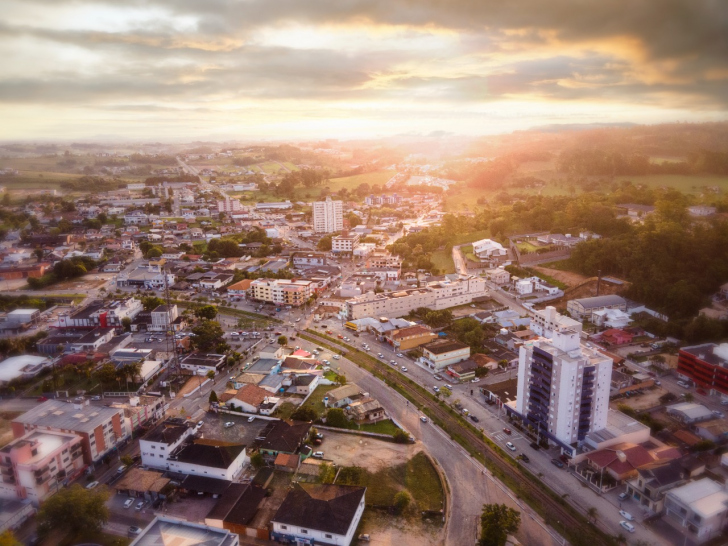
x=329, y=536
x=284, y=526
x=304, y=531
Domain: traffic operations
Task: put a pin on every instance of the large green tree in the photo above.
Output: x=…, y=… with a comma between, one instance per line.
x=75, y=510
x=208, y=312
x=209, y=337
x=497, y=522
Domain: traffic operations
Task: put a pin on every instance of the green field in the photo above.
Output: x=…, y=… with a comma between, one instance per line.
x=417, y=476
x=351, y=182
x=471, y=237
x=466, y=199
x=683, y=183
x=443, y=261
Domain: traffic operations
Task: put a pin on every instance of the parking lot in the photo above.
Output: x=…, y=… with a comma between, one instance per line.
x=242, y=432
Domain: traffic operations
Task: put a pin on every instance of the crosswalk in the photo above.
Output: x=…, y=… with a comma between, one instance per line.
x=503, y=437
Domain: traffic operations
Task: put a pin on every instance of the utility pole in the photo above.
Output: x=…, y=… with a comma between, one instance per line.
x=599, y=280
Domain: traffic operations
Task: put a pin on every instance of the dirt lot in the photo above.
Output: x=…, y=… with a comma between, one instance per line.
x=192, y=384
x=386, y=531
x=569, y=278
x=369, y=453
x=641, y=402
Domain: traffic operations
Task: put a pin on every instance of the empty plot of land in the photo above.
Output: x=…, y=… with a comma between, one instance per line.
x=368, y=453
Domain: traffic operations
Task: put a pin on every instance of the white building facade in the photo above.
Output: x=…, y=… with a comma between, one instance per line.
x=328, y=216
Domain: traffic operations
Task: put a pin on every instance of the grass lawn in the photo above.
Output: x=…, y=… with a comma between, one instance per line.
x=467, y=251
x=285, y=410
x=382, y=427
x=316, y=400
x=416, y=476
x=443, y=261
x=525, y=246
x=471, y=237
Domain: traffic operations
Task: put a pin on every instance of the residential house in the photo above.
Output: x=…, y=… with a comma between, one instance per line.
x=583, y=308
x=248, y=398
x=162, y=440
x=697, y=510
x=240, y=288
x=284, y=437
x=343, y=396
x=405, y=339
x=651, y=484
x=303, y=383
x=319, y=514
x=365, y=410
x=201, y=364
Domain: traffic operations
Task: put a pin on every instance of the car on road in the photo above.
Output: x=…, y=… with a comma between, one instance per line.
x=92, y=485
x=627, y=525
x=298, y=320
x=251, y=418
x=400, y=355
x=347, y=339
x=718, y=414
x=134, y=530
x=510, y=446
x=380, y=355
x=474, y=418
x=42, y=399
x=128, y=503
x=476, y=380
x=683, y=384
x=626, y=515
x=507, y=430
x=423, y=419
x=436, y=388
x=317, y=454
x=623, y=496
x=229, y=424
x=96, y=398
x=340, y=336
x=140, y=505
x=393, y=362
x=557, y=463
x=437, y=376
x=404, y=369
x=336, y=357
x=524, y=458
x=449, y=387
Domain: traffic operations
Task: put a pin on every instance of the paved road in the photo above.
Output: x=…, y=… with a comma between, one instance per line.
x=469, y=486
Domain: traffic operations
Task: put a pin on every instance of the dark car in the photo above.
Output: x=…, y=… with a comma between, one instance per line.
x=557, y=463
x=525, y=458
x=474, y=418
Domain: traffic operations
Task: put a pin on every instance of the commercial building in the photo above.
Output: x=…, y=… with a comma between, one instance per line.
x=319, y=514
x=149, y=278
x=489, y=250
x=163, y=318
x=21, y=317
x=698, y=510
x=201, y=364
x=170, y=531
x=584, y=307
x=100, y=313
x=563, y=388
x=23, y=367
x=37, y=464
x=344, y=244
x=328, y=216
x=162, y=440
x=404, y=339
x=101, y=429
x=706, y=365
x=435, y=295
x=209, y=458
x=294, y=292
x=440, y=354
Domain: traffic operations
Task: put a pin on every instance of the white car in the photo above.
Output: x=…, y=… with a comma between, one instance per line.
x=380, y=355
x=336, y=357
x=423, y=419
x=128, y=503
x=92, y=485
x=510, y=446
x=251, y=418
x=626, y=515
x=229, y=424
x=298, y=320
x=404, y=369
x=400, y=355
x=140, y=505
x=317, y=454
x=134, y=530
x=627, y=525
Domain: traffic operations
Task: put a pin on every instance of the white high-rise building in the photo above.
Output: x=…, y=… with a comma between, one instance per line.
x=328, y=216
x=563, y=387
x=229, y=205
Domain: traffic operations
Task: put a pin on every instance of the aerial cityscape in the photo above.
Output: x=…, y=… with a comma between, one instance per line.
x=347, y=273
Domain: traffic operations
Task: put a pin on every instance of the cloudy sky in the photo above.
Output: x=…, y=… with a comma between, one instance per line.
x=280, y=69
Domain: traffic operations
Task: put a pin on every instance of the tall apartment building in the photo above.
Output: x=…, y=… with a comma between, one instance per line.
x=38, y=463
x=328, y=216
x=436, y=295
x=101, y=429
x=163, y=317
x=283, y=291
x=229, y=205
x=563, y=388
x=706, y=365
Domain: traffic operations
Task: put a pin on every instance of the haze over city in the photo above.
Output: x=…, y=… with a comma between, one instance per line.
x=350, y=69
